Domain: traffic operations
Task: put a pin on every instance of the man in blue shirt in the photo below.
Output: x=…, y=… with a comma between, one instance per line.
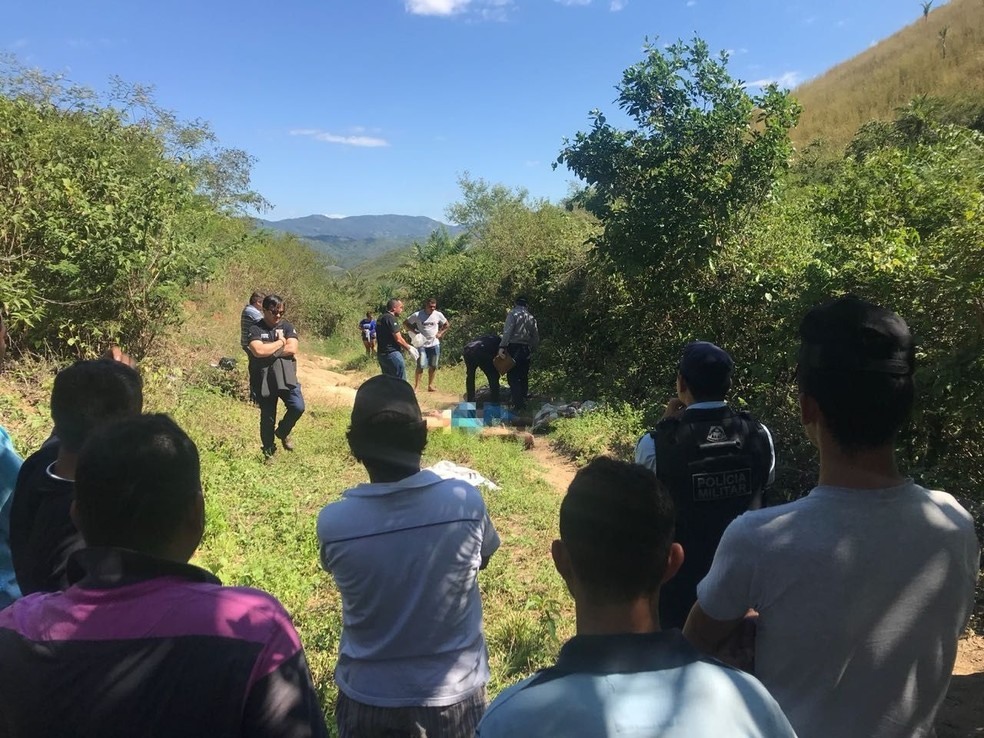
x=10, y=464
x=620, y=675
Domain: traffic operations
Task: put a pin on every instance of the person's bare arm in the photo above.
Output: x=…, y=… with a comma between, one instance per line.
x=401, y=340
x=261, y=350
x=442, y=329
x=291, y=347
x=730, y=641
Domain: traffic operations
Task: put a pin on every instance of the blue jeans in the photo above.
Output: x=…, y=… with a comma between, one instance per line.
x=429, y=356
x=294, y=401
x=392, y=364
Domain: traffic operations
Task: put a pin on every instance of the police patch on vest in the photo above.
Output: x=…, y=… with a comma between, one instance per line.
x=716, y=434
x=722, y=485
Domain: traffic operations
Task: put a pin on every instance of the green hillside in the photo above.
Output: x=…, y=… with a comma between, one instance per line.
x=914, y=61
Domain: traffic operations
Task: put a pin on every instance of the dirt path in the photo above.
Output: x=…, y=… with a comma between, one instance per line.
x=325, y=382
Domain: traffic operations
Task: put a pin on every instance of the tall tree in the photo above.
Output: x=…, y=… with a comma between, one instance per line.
x=703, y=155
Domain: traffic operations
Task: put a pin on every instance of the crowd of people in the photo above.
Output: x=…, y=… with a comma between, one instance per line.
x=700, y=609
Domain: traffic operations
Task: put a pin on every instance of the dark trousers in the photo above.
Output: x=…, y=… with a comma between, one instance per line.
x=294, y=401
x=519, y=375
x=358, y=720
x=483, y=362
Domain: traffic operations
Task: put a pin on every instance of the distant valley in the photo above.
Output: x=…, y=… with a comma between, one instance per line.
x=349, y=241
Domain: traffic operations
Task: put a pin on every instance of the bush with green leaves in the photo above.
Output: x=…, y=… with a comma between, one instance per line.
x=109, y=209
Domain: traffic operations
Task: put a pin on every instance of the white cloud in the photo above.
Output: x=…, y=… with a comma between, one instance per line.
x=493, y=10
x=617, y=5
x=328, y=137
x=691, y=3
x=334, y=215
x=436, y=7
x=573, y=2
x=785, y=80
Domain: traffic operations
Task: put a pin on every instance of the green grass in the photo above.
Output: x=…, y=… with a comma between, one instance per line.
x=260, y=529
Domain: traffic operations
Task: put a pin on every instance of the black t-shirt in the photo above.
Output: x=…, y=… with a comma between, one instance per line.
x=484, y=347
x=261, y=332
x=386, y=329
x=42, y=534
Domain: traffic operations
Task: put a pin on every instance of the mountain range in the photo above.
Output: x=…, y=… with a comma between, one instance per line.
x=351, y=240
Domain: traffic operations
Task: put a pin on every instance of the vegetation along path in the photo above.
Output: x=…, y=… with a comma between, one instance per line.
x=326, y=381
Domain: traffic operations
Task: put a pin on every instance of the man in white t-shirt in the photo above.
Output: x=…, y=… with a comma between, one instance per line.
x=862, y=587
x=431, y=325
x=405, y=550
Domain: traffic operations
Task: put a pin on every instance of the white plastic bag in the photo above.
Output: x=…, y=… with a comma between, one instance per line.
x=418, y=340
x=414, y=353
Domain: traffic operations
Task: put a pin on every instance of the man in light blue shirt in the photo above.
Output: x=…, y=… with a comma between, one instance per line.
x=621, y=675
x=10, y=464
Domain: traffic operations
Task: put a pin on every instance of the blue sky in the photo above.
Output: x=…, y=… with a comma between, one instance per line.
x=356, y=107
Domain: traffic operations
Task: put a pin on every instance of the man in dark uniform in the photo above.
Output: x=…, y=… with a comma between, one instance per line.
x=478, y=354
x=715, y=462
x=273, y=374
x=390, y=343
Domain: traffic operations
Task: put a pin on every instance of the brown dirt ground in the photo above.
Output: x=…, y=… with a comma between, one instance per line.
x=962, y=712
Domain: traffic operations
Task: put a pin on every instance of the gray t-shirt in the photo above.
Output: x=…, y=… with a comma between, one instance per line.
x=405, y=556
x=861, y=596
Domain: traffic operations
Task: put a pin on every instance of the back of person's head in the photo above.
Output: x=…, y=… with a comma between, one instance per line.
x=706, y=370
x=520, y=301
x=617, y=524
x=257, y=298
x=90, y=393
x=392, y=303
x=272, y=302
x=137, y=485
x=856, y=360
x=387, y=428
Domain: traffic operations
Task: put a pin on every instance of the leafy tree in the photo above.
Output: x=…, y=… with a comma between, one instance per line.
x=106, y=213
x=702, y=157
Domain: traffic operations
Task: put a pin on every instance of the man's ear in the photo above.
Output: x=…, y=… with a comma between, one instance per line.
x=196, y=520
x=562, y=560
x=810, y=416
x=674, y=560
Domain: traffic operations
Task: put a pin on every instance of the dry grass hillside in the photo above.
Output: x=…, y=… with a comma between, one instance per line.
x=890, y=74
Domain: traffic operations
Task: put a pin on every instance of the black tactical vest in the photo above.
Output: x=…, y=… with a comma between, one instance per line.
x=714, y=462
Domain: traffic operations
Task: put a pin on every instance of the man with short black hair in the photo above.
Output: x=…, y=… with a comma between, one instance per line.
x=620, y=675
x=273, y=346
x=405, y=551
x=142, y=643
x=862, y=587
x=390, y=342
x=715, y=462
x=478, y=354
x=431, y=325
x=520, y=338
x=85, y=396
x=250, y=314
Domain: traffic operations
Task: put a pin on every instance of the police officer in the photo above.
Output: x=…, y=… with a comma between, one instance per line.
x=715, y=462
